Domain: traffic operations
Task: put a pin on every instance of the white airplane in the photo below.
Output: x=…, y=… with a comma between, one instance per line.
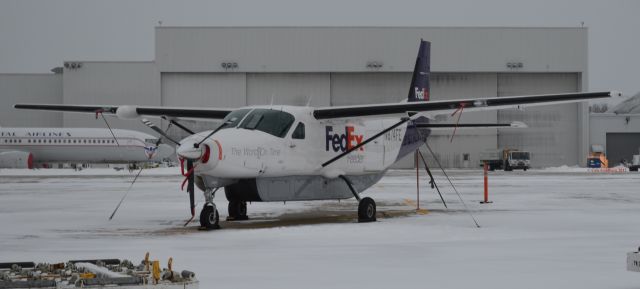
x=290, y=153
x=21, y=147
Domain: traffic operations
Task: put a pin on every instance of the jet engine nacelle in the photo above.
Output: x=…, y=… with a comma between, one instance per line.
x=16, y=160
x=127, y=112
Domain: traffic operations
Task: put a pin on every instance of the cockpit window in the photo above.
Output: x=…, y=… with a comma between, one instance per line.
x=298, y=133
x=273, y=122
x=233, y=118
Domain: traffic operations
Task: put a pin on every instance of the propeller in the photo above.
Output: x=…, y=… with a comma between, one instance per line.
x=191, y=189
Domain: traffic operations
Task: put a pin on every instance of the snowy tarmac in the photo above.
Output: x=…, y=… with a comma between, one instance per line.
x=563, y=228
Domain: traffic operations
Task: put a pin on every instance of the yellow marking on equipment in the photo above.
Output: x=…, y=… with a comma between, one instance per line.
x=412, y=203
x=87, y=275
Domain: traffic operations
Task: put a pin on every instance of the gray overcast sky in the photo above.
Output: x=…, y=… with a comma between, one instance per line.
x=36, y=36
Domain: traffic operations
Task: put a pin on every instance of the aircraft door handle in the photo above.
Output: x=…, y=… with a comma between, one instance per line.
x=292, y=145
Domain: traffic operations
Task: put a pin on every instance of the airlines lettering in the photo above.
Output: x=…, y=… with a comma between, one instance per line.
x=36, y=134
x=342, y=142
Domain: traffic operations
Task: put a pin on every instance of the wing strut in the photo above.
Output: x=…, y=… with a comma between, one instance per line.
x=404, y=119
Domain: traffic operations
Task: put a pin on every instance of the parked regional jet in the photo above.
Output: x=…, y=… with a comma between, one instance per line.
x=21, y=147
x=288, y=153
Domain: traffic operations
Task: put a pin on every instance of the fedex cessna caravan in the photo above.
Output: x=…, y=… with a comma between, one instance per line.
x=22, y=147
x=290, y=153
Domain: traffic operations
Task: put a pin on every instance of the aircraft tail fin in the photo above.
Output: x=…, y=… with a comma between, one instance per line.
x=419, y=89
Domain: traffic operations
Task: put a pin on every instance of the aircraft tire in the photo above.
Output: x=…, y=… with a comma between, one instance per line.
x=237, y=211
x=209, y=217
x=366, y=210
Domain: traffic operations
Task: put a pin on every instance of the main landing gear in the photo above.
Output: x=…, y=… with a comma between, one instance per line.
x=366, y=206
x=209, y=217
x=237, y=211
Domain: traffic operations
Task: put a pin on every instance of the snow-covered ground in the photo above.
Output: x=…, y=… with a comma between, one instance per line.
x=556, y=228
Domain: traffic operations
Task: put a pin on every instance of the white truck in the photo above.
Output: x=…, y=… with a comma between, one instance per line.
x=506, y=159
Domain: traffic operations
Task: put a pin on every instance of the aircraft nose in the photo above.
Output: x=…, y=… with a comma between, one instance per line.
x=188, y=150
x=208, y=152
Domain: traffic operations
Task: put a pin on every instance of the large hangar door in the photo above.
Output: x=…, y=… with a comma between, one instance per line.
x=622, y=146
x=467, y=145
x=203, y=90
x=552, y=136
x=368, y=88
x=288, y=88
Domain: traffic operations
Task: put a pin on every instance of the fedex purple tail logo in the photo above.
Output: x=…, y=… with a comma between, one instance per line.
x=342, y=142
x=421, y=93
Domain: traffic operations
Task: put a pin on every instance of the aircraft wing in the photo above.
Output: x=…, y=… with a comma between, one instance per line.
x=448, y=106
x=133, y=111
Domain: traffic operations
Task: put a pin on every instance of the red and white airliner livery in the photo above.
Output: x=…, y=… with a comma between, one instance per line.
x=22, y=147
x=290, y=153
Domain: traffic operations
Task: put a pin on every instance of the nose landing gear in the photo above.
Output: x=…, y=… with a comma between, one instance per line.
x=209, y=217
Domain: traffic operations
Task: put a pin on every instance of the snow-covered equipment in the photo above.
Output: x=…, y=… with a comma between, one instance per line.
x=96, y=274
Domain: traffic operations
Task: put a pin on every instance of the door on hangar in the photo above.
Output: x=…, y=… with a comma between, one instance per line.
x=622, y=146
x=552, y=135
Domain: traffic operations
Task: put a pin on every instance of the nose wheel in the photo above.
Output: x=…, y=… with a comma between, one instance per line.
x=209, y=217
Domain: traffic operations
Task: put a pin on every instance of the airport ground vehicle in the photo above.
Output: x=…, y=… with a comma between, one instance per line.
x=597, y=158
x=506, y=159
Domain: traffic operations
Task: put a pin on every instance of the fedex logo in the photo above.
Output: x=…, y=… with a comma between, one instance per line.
x=342, y=142
x=421, y=93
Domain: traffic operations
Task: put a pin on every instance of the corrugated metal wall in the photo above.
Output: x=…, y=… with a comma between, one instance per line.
x=469, y=142
x=552, y=136
x=110, y=83
x=288, y=88
x=29, y=88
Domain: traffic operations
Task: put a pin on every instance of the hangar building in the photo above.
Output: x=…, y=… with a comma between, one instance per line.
x=323, y=66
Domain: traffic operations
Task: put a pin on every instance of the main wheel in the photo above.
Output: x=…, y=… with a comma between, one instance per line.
x=209, y=217
x=367, y=210
x=237, y=211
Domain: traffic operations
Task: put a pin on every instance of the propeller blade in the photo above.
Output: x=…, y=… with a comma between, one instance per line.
x=158, y=130
x=191, y=188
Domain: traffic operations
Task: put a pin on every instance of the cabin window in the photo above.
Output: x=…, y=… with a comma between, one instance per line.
x=233, y=118
x=298, y=133
x=273, y=122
